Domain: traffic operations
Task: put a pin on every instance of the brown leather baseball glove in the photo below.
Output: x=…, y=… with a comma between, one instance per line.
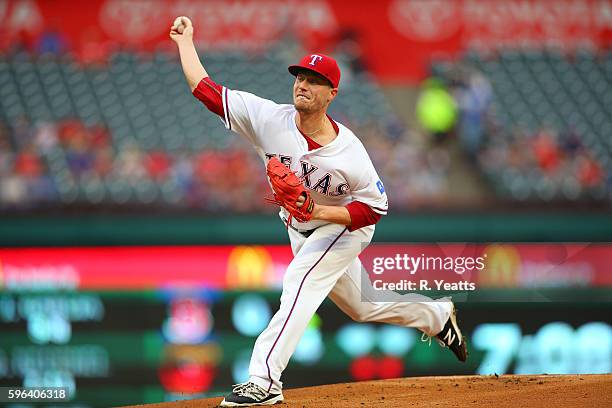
x=287, y=189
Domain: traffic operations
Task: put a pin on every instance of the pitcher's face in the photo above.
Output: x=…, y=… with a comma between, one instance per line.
x=312, y=92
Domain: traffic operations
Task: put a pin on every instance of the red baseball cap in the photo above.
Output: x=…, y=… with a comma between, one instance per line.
x=321, y=64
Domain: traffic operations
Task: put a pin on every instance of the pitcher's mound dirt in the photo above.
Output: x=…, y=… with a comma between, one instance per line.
x=511, y=391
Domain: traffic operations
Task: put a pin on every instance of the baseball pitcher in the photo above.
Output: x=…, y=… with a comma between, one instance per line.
x=330, y=198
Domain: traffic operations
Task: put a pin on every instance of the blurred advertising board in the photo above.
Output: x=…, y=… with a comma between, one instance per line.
x=244, y=266
x=418, y=29
x=141, y=268
x=470, y=267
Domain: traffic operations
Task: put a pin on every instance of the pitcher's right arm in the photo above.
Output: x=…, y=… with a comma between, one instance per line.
x=192, y=66
x=241, y=112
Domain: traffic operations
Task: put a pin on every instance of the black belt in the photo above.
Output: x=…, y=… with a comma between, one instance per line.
x=306, y=233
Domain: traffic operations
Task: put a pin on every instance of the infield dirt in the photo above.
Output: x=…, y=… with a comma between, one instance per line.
x=506, y=391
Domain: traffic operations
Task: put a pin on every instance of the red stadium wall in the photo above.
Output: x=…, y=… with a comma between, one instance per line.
x=398, y=37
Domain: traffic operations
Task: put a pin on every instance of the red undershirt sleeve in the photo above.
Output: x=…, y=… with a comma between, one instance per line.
x=209, y=93
x=361, y=215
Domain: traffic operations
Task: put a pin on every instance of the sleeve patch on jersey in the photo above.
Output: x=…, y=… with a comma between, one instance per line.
x=380, y=186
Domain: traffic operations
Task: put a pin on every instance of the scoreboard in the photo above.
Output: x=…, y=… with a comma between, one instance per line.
x=136, y=347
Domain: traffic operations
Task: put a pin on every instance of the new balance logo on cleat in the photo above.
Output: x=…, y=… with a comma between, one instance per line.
x=250, y=394
x=451, y=337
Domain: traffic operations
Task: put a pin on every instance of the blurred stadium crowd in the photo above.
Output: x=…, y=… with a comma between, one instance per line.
x=126, y=132
x=537, y=122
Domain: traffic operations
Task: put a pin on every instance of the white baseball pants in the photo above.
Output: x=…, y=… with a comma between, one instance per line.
x=326, y=264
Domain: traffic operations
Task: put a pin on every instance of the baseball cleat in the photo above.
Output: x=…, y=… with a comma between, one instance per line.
x=451, y=337
x=250, y=394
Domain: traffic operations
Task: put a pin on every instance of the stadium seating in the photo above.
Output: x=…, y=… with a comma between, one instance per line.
x=537, y=90
x=161, y=141
x=144, y=102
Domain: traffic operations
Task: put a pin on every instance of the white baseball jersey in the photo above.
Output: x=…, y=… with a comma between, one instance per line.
x=337, y=173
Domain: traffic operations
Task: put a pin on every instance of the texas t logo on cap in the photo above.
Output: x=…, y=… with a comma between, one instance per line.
x=322, y=64
x=314, y=59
